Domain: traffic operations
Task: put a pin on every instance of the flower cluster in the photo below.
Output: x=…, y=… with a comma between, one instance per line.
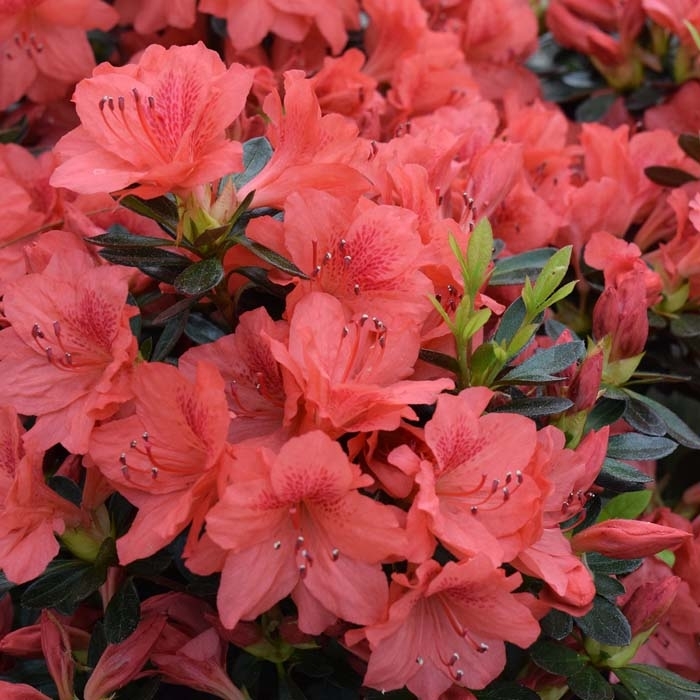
x=321, y=326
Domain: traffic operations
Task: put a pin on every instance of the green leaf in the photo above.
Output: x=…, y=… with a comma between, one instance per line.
x=557, y=624
x=668, y=177
x=686, y=326
x=162, y=265
x=69, y=581
x=439, y=359
x=511, y=321
x=162, y=209
x=690, y=143
x=5, y=584
x=605, y=623
x=66, y=488
x=676, y=428
x=544, y=364
x=556, y=658
x=201, y=330
x=620, y=476
x=600, y=564
x=536, y=406
x=506, y=690
x=552, y=275
x=172, y=331
x=605, y=412
x=608, y=587
x=588, y=684
x=122, y=613
x=199, y=278
x=595, y=108
x=515, y=268
x=643, y=418
x=256, y=154
x=626, y=505
x=118, y=236
x=16, y=132
x=635, y=446
x=479, y=252
x=561, y=293
x=653, y=683
x=269, y=256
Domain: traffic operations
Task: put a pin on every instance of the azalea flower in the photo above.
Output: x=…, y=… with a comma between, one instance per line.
x=166, y=457
x=159, y=124
x=446, y=626
x=67, y=356
x=44, y=47
x=294, y=522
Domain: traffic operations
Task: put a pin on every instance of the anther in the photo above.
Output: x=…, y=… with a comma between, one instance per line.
x=363, y=319
x=342, y=243
x=453, y=659
x=57, y=328
x=133, y=443
x=302, y=570
x=120, y=103
x=335, y=554
x=277, y=544
x=110, y=103
x=300, y=540
x=151, y=101
x=346, y=330
x=145, y=436
x=419, y=660
x=68, y=358
x=122, y=458
x=102, y=103
x=494, y=485
x=509, y=477
x=36, y=331
x=474, y=510
x=356, y=289
x=483, y=648
x=519, y=476
x=347, y=259
x=506, y=493
x=459, y=674
x=328, y=256
x=154, y=473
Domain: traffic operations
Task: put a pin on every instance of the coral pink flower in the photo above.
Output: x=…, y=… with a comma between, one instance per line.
x=364, y=254
x=479, y=490
x=310, y=150
x=30, y=512
x=155, y=15
x=67, y=356
x=672, y=15
x=255, y=392
x=251, y=20
x=160, y=124
x=446, y=627
x=295, y=523
x=343, y=376
x=44, y=47
x=166, y=457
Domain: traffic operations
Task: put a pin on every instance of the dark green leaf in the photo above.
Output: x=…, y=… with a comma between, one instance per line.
x=536, y=406
x=288, y=689
x=201, y=330
x=654, y=683
x=16, y=132
x=512, y=319
x=64, y=581
x=668, y=177
x=541, y=366
x=686, y=326
x=605, y=412
x=143, y=689
x=5, y=585
x=690, y=143
x=504, y=690
x=122, y=613
x=177, y=309
x=515, y=268
x=259, y=277
x=98, y=644
x=643, y=97
x=636, y=446
x=588, y=684
x=172, y=331
x=256, y=154
x=676, y=428
x=557, y=624
x=66, y=488
x=605, y=623
x=600, y=564
x=269, y=256
x=162, y=265
x=150, y=566
x=163, y=210
x=556, y=658
x=594, y=108
x=199, y=278
x=643, y=418
x=608, y=587
x=439, y=359
x=620, y=476
x=118, y=236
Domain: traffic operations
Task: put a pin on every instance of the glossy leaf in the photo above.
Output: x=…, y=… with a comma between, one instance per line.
x=652, y=683
x=118, y=236
x=643, y=418
x=556, y=658
x=605, y=412
x=270, y=256
x=668, y=177
x=620, y=476
x=600, y=564
x=515, y=268
x=172, y=331
x=501, y=690
x=557, y=624
x=686, y=326
x=690, y=143
x=199, y=278
x=675, y=427
x=544, y=364
x=589, y=684
x=162, y=265
x=162, y=210
x=201, y=330
x=122, y=613
x=536, y=406
x=636, y=446
x=256, y=153
x=439, y=359
x=605, y=623
x=595, y=108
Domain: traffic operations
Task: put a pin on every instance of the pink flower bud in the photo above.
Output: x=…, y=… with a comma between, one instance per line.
x=649, y=603
x=628, y=539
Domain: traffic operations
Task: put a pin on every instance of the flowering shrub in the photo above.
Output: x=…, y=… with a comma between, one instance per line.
x=349, y=349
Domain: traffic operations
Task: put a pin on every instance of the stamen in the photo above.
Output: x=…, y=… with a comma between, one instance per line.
x=420, y=660
x=335, y=554
x=276, y=545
